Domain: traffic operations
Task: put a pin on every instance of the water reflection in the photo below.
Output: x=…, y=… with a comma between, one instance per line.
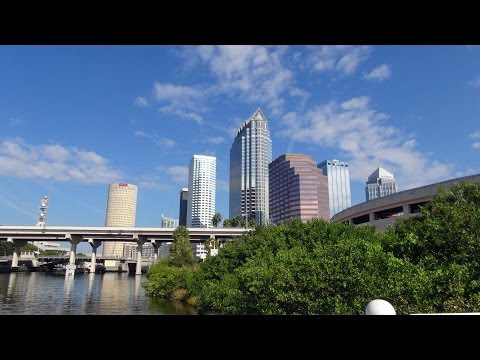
x=30, y=298
x=89, y=301
x=11, y=284
x=110, y=294
x=136, y=293
x=67, y=291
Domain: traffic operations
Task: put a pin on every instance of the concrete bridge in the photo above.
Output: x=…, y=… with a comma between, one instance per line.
x=20, y=235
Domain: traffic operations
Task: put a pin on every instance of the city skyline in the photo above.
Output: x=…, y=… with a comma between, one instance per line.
x=77, y=118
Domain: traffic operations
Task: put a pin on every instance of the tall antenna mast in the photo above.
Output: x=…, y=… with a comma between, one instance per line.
x=42, y=213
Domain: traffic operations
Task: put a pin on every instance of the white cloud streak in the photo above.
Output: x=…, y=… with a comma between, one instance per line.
x=165, y=142
x=475, y=82
x=476, y=136
x=360, y=132
x=178, y=174
x=141, y=102
x=19, y=159
x=182, y=101
x=380, y=73
x=254, y=73
x=342, y=58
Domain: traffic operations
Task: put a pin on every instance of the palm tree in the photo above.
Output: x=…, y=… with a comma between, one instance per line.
x=217, y=219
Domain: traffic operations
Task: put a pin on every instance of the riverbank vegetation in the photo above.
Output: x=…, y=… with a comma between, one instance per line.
x=429, y=263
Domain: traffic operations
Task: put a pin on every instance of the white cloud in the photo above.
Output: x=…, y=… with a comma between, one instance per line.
x=475, y=82
x=215, y=140
x=254, y=73
x=176, y=110
x=19, y=159
x=343, y=58
x=356, y=103
x=178, y=174
x=380, y=73
x=176, y=93
x=475, y=135
x=140, y=101
x=56, y=153
x=182, y=101
x=467, y=172
x=360, y=133
x=165, y=142
x=13, y=121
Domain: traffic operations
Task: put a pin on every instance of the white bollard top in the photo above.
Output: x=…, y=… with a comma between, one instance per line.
x=379, y=307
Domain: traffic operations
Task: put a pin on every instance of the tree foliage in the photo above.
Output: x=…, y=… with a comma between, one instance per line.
x=296, y=268
x=445, y=242
x=217, y=219
x=181, y=251
x=427, y=263
x=6, y=248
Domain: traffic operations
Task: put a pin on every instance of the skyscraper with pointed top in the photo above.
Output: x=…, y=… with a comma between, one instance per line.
x=250, y=154
x=380, y=183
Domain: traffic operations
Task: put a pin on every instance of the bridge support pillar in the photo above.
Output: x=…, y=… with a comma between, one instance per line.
x=140, y=240
x=406, y=209
x=371, y=217
x=74, y=240
x=156, y=245
x=17, y=244
x=95, y=244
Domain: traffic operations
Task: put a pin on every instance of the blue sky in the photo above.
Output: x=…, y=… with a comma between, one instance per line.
x=75, y=118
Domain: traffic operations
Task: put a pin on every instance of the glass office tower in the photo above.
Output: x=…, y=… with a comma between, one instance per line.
x=250, y=154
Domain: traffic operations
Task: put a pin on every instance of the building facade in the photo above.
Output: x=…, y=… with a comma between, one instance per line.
x=250, y=154
x=121, y=211
x=297, y=188
x=130, y=251
x=201, y=191
x=168, y=222
x=338, y=174
x=379, y=184
x=182, y=216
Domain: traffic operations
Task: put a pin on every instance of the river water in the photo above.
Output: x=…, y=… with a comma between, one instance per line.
x=40, y=293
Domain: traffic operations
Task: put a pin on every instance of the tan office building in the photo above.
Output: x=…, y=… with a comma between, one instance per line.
x=121, y=211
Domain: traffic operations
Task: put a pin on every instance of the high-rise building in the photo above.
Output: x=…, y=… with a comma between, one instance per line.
x=298, y=189
x=182, y=217
x=250, y=154
x=168, y=222
x=121, y=211
x=338, y=174
x=380, y=183
x=201, y=191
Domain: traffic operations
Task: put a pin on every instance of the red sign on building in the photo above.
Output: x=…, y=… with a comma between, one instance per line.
x=122, y=184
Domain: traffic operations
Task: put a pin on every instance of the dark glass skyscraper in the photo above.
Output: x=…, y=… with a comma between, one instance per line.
x=298, y=189
x=182, y=217
x=250, y=154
